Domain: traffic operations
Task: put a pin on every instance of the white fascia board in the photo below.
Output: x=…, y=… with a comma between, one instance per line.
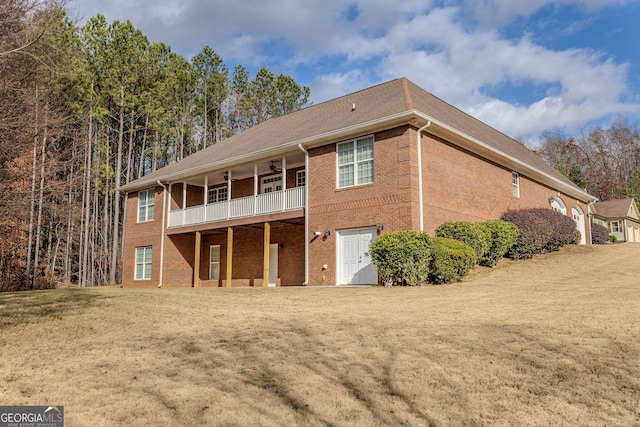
x=484, y=150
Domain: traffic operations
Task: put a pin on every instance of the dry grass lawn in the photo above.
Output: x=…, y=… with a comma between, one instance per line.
x=551, y=341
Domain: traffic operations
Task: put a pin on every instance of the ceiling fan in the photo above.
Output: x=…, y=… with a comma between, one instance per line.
x=274, y=168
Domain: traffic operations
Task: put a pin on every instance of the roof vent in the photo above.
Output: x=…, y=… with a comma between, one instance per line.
x=353, y=107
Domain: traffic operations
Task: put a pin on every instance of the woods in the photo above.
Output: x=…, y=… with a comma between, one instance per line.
x=86, y=109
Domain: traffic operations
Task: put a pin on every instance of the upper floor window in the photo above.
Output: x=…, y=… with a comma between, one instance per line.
x=272, y=183
x=355, y=162
x=515, y=184
x=146, y=199
x=217, y=195
x=301, y=179
x=615, y=226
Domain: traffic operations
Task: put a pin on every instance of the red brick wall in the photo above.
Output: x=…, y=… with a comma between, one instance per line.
x=141, y=234
x=390, y=200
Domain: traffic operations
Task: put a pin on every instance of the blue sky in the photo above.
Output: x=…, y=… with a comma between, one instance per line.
x=521, y=66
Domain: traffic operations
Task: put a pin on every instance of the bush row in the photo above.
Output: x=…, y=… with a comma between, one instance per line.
x=490, y=239
x=541, y=230
x=411, y=258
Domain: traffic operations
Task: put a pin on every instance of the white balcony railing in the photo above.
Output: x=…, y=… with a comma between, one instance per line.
x=277, y=201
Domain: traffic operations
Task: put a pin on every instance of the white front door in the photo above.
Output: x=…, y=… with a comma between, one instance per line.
x=355, y=266
x=273, y=264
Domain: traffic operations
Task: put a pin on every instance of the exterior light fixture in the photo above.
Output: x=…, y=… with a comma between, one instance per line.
x=317, y=233
x=381, y=227
x=327, y=233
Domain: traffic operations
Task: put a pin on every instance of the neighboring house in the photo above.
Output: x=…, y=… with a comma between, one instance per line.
x=298, y=199
x=620, y=217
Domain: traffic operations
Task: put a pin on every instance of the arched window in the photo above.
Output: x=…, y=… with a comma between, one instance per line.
x=558, y=205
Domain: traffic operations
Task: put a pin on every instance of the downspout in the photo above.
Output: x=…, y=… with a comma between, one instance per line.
x=164, y=209
x=420, y=196
x=306, y=215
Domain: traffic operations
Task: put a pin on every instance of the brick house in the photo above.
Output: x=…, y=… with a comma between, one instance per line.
x=621, y=218
x=299, y=198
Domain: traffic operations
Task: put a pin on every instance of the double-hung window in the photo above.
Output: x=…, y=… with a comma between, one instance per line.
x=217, y=195
x=146, y=199
x=615, y=226
x=144, y=255
x=515, y=184
x=355, y=162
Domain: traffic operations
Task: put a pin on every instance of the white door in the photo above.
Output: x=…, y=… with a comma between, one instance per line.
x=355, y=266
x=578, y=218
x=273, y=265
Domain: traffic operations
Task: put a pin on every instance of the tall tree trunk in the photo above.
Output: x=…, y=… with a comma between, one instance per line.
x=41, y=195
x=116, y=208
x=33, y=197
x=84, y=253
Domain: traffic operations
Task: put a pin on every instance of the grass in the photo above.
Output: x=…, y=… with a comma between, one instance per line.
x=550, y=341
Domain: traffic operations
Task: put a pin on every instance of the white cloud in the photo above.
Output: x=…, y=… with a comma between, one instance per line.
x=455, y=51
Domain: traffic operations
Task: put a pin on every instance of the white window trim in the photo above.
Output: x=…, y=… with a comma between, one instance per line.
x=271, y=181
x=150, y=202
x=217, y=191
x=212, y=262
x=515, y=184
x=355, y=162
x=135, y=272
x=301, y=174
x=617, y=223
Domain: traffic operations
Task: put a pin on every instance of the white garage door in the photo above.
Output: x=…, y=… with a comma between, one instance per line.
x=355, y=266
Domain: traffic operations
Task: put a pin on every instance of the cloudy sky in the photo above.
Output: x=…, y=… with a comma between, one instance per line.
x=520, y=65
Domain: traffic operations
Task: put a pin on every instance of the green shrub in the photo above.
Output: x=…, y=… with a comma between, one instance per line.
x=468, y=233
x=502, y=235
x=451, y=260
x=402, y=257
x=599, y=234
x=612, y=238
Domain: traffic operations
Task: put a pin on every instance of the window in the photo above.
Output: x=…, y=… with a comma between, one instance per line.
x=301, y=178
x=615, y=226
x=515, y=184
x=355, y=162
x=146, y=199
x=143, y=262
x=217, y=195
x=214, y=262
x=271, y=184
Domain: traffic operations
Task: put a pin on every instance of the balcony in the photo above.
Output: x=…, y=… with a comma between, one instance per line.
x=261, y=204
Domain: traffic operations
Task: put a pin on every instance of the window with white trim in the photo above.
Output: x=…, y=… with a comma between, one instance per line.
x=146, y=200
x=355, y=162
x=515, y=184
x=214, y=262
x=301, y=178
x=144, y=255
x=217, y=195
x=615, y=226
x=272, y=183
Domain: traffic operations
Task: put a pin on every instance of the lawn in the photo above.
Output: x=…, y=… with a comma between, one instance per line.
x=550, y=341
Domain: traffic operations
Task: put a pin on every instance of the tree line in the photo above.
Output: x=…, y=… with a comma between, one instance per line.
x=85, y=109
x=605, y=161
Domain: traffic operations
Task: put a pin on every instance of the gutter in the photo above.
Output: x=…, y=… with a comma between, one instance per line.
x=164, y=206
x=306, y=215
x=420, y=195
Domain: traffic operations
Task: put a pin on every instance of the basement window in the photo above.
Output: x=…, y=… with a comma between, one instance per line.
x=144, y=255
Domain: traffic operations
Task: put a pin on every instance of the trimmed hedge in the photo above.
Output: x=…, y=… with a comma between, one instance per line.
x=468, y=233
x=451, y=260
x=599, y=234
x=402, y=257
x=541, y=230
x=502, y=235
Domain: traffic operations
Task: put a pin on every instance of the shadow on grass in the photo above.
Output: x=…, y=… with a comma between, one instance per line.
x=21, y=308
x=363, y=390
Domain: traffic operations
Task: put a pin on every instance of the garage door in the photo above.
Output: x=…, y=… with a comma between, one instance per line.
x=355, y=266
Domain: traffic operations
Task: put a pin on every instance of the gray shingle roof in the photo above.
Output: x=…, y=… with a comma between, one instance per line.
x=372, y=104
